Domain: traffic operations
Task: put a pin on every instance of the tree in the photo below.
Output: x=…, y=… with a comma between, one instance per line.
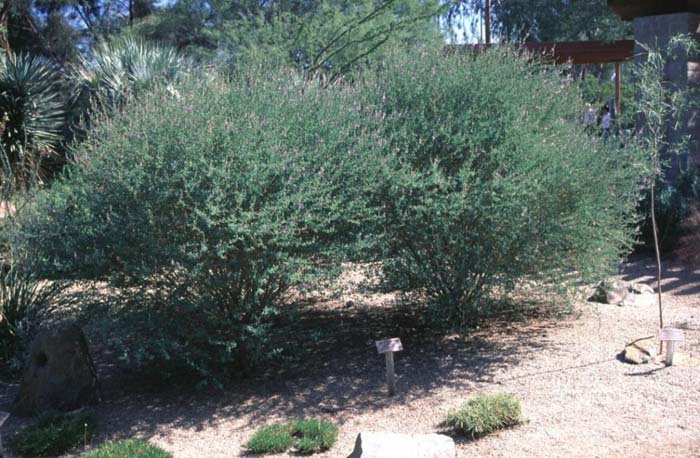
x=546, y=20
x=661, y=107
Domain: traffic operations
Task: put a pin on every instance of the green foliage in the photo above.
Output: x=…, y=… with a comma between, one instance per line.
x=335, y=37
x=498, y=180
x=128, y=448
x=484, y=414
x=120, y=69
x=600, y=91
x=674, y=205
x=54, y=434
x=33, y=114
x=23, y=301
x=185, y=25
x=307, y=436
x=270, y=439
x=212, y=199
x=313, y=435
x=546, y=20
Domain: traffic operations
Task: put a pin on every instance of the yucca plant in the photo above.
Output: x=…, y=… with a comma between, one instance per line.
x=119, y=69
x=32, y=115
x=23, y=299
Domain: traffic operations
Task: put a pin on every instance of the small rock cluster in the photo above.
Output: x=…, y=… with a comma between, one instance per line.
x=622, y=293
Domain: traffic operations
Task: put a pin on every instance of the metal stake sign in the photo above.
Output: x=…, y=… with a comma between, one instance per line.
x=388, y=347
x=670, y=336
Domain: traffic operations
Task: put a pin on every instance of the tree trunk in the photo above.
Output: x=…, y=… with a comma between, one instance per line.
x=658, y=257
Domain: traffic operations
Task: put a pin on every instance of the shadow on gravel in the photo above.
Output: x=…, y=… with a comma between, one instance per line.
x=677, y=279
x=332, y=369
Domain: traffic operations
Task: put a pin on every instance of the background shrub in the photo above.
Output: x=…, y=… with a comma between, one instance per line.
x=495, y=179
x=270, y=439
x=674, y=207
x=211, y=199
x=128, y=448
x=485, y=414
x=54, y=434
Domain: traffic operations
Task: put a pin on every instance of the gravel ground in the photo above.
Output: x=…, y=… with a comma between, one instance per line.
x=579, y=400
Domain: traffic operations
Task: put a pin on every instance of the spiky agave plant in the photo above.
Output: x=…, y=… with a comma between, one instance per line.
x=32, y=112
x=23, y=300
x=123, y=68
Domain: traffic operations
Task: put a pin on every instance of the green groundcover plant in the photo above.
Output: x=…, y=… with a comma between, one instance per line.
x=306, y=436
x=484, y=414
x=54, y=434
x=128, y=448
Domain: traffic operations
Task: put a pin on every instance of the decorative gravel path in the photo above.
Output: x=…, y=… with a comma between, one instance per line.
x=578, y=398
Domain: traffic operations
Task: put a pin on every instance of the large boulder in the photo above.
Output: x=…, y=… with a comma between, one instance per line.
x=59, y=373
x=394, y=445
x=622, y=293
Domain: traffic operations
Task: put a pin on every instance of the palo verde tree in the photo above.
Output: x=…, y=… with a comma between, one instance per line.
x=661, y=108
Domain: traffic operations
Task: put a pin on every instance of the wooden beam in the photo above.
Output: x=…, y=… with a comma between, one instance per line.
x=576, y=52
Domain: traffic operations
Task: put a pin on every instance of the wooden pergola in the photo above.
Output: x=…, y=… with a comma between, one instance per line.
x=580, y=52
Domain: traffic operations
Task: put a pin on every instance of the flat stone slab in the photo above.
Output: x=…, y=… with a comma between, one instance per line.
x=395, y=445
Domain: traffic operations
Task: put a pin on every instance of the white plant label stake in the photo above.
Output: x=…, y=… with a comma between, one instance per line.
x=388, y=347
x=670, y=336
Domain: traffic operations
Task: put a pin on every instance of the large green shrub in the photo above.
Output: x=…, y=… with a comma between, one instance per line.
x=495, y=179
x=215, y=198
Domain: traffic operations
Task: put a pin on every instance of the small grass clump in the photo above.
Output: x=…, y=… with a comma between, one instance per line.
x=270, y=439
x=306, y=436
x=485, y=414
x=314, y=435
x=128, y=448
x=54, y=434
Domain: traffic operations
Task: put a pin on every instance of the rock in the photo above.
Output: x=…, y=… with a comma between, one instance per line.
x=642, y=288
x=610, y=292
x=639, y=300
x=59, y=374
x=685, y=360
x=394, y=445
x=640, y=351
x=622, y=293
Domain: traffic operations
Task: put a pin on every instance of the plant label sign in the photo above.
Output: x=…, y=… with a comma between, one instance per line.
x=671, y=334
x=388, y=345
